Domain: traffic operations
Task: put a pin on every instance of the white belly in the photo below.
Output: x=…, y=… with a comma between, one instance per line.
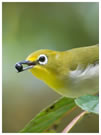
x=82, y=82
x=85, y=81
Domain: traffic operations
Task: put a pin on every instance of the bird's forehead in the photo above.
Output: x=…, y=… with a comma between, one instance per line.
x=34, y=56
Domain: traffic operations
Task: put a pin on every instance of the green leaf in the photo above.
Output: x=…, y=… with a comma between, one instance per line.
x=88, y=103
x=49, y=116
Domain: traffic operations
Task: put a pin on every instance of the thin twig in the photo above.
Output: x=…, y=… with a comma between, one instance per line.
x=73, y=122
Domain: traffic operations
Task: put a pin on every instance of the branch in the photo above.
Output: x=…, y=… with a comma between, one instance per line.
x=73, y=122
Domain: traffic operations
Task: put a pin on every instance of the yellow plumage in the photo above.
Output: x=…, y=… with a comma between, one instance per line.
x=71, y=73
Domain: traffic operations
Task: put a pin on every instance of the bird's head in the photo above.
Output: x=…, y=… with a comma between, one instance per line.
x=42, y=63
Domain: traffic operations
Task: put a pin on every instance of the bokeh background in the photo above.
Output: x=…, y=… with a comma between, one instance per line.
x=28, y=27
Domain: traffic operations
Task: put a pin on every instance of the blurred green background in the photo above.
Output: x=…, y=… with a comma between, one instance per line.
x=28, y=27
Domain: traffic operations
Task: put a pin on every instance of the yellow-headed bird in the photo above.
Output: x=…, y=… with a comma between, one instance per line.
x=71, y=73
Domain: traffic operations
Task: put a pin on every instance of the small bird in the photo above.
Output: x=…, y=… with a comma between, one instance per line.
x=72, y=73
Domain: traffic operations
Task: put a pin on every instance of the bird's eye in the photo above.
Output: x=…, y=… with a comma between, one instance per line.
x=43, y=59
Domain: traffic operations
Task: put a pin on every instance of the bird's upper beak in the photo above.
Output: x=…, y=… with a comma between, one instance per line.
x=19, y=66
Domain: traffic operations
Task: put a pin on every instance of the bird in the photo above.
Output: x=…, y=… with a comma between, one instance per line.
x=71, y=73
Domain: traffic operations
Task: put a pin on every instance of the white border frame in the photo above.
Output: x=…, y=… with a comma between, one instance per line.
x=1, y=59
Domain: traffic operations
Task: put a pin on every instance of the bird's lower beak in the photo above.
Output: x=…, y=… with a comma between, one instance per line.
x=19, y=66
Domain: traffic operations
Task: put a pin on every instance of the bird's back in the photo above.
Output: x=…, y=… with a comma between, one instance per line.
x=84, y=71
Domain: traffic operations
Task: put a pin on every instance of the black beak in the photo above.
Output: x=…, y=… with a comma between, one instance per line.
x=19, y=66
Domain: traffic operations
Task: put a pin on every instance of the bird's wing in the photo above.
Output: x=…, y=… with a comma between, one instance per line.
x=85, y=81
x=79, y=74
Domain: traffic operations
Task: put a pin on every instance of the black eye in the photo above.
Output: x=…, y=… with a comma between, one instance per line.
x=42, y=59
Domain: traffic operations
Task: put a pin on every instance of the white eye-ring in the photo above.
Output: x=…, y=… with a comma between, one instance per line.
x=42, y=59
